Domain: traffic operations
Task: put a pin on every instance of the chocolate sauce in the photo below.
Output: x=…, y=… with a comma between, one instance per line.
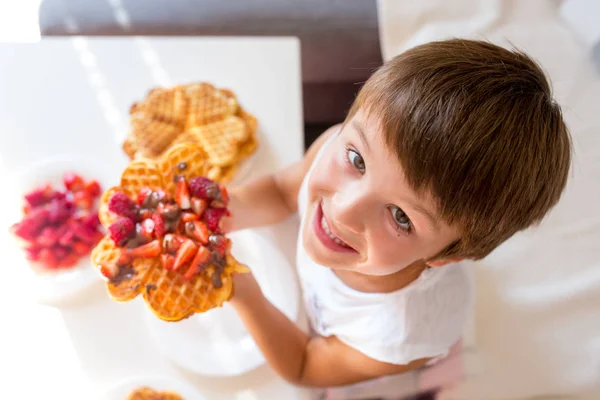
x=125, y=273
x=216, y=278
x=213, y=192
x=150, y=287
x=153, y=199
x=177, y=177
x=171, y=212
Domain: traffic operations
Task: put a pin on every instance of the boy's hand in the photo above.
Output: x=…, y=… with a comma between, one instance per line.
x=245, y=287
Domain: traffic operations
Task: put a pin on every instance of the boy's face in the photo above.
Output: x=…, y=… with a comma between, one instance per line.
x=362, y=215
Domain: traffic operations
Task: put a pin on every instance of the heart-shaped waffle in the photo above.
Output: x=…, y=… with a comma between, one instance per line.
x=171, y=294
x=146, y=393
x=195, y=113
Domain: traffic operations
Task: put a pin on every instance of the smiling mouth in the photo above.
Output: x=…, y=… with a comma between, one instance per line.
x=331, y=235
x=327, y=238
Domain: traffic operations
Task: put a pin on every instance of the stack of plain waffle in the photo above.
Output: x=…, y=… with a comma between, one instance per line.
x=197, y=113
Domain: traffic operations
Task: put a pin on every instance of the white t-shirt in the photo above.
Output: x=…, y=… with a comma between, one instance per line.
x=423, y=319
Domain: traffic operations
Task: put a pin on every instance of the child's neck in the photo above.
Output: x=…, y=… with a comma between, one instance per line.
x=381, y=284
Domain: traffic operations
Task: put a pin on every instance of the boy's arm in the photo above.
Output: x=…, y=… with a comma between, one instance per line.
x=272, y=198
x=295, y=356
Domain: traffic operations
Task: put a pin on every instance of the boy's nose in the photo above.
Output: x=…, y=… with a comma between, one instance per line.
x=347, y=212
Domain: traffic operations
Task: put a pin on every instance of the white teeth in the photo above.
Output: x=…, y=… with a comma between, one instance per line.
x=331, y=235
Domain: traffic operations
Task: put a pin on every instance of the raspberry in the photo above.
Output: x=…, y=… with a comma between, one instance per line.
x=121, y=230
x=60, y=210
x=159, y=225
x=213, y=216
x=40, y=195
x=204, y=188
x=122, y=205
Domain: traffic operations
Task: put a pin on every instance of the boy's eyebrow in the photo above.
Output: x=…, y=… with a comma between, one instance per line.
x=361, y=133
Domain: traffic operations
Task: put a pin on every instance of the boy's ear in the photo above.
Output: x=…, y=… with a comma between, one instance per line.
x=443, y=261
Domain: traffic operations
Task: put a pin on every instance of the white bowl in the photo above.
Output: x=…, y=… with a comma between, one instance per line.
x=216, y=343
x=56, y=286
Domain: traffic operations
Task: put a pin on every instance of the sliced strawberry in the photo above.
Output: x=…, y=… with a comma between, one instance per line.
x=109, y=271
x=159, y=225
x=199, y=262
x=83, y=233
x=143, y=195
x=60, y=252
x=171, y=242
x=147, y=228
x=40, y=195
x=224, y=194
x=58, y=232
x=182, y=194
x=81, y=248
x=148, y=250
x=168, y=261
x=46, y=238
x=60, y=210
x=33, y=222
x=145, y=213
x=92, y=188
x=22, y=231
x=198, y=206
x=47, y=258
x=73, y=182
x=83, y=200
x=197, y=230
x=67, y=238
x=70, y=260
x=186, y=252
x=188, y=216
x=33, y=253
x=217, y=204
x=220, y=244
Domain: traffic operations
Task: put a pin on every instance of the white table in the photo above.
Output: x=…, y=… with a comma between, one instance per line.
x=74, y=93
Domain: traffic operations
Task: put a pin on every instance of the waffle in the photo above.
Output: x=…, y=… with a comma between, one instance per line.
x=208, y=104
x=221, y=139
x=168, y=295
x=146, y=393
x=195, y=113
x=169, y=105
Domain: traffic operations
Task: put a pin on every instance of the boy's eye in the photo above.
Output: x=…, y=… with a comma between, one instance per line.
x=356, y=160
x=400, y=218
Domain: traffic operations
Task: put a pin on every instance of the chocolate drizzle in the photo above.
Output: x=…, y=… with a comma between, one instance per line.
x=150, y=287
x=125, y=273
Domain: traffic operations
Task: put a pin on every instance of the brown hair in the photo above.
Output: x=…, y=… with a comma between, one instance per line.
x=475, y=124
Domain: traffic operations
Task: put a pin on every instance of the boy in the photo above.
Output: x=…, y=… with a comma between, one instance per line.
x=449, y=149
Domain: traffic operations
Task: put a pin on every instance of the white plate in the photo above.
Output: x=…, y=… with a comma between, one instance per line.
x=216, y=343
x=53, y=287
x=121, y=390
